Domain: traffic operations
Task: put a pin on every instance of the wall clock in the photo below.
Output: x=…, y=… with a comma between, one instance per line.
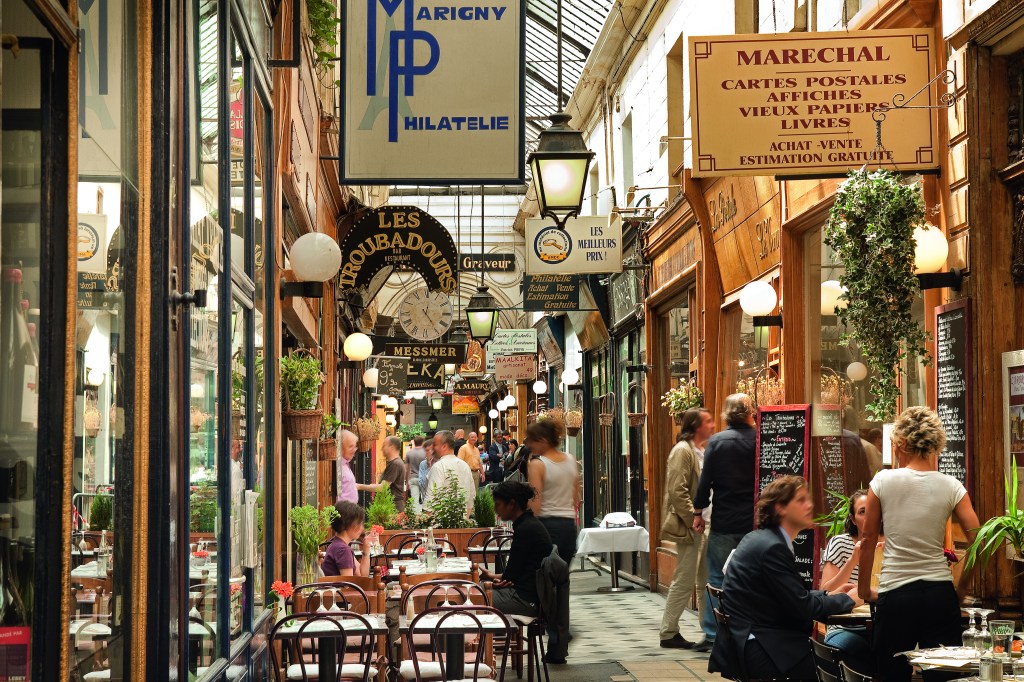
x=425, y=315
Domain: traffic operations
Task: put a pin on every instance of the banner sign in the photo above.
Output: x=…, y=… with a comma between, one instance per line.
x=398, y=236
x=442, y=353
x=551, y=292
x=513, y=341
x=433, y=95
x=588, y=244
x=472, y=387
x=393, y=373
x=465, y=404
x=515, y=367
x=488, y=262
x=801, y=103
x=425, y=375
x=476, y=360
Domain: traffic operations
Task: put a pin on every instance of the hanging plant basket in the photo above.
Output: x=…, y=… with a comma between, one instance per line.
x=326, y=449
x=301, y=424
x=512, y=418
x=236, y=425
x=531, y=413
x=574, y=421
x=554, y=413
x=367, y=429
x=606, y=417
x=636, y=419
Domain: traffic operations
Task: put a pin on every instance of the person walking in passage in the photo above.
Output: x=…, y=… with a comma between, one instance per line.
x=444, y=442
x=728, y=473
x=555, y=477
x=916, y=602
x=413, y=457
x=682, y=473
x=424, y=472
x=470, y=454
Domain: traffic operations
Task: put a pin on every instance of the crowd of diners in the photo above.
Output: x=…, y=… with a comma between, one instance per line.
x=770, y=612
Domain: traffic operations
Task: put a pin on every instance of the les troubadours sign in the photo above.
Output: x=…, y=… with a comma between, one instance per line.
x=800, y=104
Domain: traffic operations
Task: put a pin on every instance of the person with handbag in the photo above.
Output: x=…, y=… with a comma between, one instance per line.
x=682, y=473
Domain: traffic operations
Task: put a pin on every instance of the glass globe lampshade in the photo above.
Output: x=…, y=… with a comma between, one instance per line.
x=370, y=377
x=94, y=377
x=390, y=420
x=358, y=347
x=502, y=406
x=197, y=390
x=540, y=387
x=510, y=400
x=930, y=249
x=831, y=290
x=570, y=376
x=758, y=299
x=482, y=429
x=857, y=371
x=315, y=257
x=492, y=413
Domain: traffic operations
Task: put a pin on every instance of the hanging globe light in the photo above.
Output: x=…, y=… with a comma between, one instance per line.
x=358, y=347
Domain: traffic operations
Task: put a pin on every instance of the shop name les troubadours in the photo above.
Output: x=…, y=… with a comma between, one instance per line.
x=829, y=101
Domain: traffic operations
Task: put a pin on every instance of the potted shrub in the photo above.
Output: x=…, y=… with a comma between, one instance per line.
x=367, y=431
x=1000, y=531
x=301, y=378
x=310, y=527
x=449, y=504
x=382, y=510
x=684, y=397
x=327, y=446
x=101, y=513
x=483, y=508
x=203, y=510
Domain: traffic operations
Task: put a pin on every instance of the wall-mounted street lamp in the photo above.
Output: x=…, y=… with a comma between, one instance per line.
x=358, y=347
x=483, y=429
x=437, y=402
x=539, y=387
x=758, y=299
x=432, y=422
x=315, y=258
x=930, y=252
x=482, y=315
x=492, y=413
x=370, y=377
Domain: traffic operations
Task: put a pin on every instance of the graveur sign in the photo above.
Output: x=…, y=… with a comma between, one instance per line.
x=392, y=375
x=783, y=435
x=398, y=237
x=487, y=262
x=551, y=292
x=952, y=367
x=433, y=95
x=800, y=104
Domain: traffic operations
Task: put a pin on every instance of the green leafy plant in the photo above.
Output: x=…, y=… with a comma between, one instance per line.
x=330, y=426
x=483, y=508
x=203, y=509
x=323, y=31
x=999, y=530
x=238, y=384
x=310, y=527
x=409, y=431
x=101, y=513
x=301, y=377
x=382, y=510
x=835, y=520
x=871, y=230
x=683, y=397
x=449, y=504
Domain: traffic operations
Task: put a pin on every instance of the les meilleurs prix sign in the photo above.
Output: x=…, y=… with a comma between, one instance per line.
x=801, y=104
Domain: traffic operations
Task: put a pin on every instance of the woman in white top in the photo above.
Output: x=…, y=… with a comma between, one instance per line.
x=555, y=477
x=917, y=604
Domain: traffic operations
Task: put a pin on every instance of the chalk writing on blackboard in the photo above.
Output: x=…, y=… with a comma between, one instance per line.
x=953, y=402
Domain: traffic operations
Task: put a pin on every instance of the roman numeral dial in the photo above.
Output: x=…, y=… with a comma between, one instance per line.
x=425, y=315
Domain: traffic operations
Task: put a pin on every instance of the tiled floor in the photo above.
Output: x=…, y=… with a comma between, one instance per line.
x=623, y=628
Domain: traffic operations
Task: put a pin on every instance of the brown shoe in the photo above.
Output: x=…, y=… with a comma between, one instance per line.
x=676, y=642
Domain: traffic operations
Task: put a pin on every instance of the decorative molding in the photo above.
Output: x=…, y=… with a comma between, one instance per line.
x=1017, y=255
x=987, y=26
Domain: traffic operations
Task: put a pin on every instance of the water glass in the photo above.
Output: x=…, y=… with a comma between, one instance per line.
x=1002, y=636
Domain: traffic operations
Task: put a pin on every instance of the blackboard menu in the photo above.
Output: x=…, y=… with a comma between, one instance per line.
x=392, y=377
x=829, y=473
x=783, y=439
x=309, y=478
x=953, y=387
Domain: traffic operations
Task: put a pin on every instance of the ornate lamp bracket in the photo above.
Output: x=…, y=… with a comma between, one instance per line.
x=901, y=101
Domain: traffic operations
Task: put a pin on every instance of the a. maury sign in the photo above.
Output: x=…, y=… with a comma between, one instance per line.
x=801, y=103
x=433, y=93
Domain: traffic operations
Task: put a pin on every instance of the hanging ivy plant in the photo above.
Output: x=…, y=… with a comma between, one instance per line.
x=323, y=31
x=871, y=229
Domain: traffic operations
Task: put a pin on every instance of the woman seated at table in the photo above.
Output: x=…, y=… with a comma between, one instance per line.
x=347, y=527
x=839, y=568
x=515, y=590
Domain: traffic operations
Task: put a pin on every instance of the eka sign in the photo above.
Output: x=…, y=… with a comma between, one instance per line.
x=398, y=237
x=433, y=94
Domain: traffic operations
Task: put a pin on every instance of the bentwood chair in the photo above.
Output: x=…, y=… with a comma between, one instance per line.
x=351, y=635
x=431, y=666
x=851, y=675
x=825, y=676
x=826, y=657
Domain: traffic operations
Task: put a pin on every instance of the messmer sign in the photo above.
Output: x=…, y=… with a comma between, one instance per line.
x=802, y=103
x=433, y=95
x=588, y=244
x=515, y=367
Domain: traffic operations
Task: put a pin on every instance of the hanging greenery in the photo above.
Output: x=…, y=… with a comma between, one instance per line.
x=323, y=31
x=871, y=230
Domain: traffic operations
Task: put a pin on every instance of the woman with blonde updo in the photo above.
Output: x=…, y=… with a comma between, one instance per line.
x=917, y=604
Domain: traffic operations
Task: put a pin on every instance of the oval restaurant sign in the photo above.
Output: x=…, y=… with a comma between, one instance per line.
x=398, y=236
x=801, y=103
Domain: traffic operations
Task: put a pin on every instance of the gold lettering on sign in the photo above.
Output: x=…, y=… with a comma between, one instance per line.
x=398, y=220
x=767, y=236
x=722, y=209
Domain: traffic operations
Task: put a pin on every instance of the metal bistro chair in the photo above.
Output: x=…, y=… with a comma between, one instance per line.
x=825, y=676
x=350, y=633
x=826, y=657
x=470, y=626
x=851, y=675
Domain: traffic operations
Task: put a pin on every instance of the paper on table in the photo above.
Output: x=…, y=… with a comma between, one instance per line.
x=945, y=662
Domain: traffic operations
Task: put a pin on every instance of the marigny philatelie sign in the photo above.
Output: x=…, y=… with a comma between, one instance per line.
x=433, y=93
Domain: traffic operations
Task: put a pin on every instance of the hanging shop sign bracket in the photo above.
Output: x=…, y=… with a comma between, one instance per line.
x=901, y=102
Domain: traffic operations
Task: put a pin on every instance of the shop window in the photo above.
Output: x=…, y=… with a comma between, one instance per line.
x=750, y=355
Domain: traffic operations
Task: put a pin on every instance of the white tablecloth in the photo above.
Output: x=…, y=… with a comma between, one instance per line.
x=601, y=540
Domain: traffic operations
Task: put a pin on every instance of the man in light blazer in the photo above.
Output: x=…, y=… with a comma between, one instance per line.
x=770, y=611
x=682, y=473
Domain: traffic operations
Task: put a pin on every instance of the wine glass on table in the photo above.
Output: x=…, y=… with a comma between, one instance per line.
x=984, y=637
x=970, y=635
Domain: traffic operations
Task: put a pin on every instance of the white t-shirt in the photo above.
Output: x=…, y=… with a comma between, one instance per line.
x=915, y=508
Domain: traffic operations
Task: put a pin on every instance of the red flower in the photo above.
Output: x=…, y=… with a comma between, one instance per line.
x=282, y=588
x=421, y=549
x=236, y=587
x=376, y=529
x=951, y=556
x=200, y=554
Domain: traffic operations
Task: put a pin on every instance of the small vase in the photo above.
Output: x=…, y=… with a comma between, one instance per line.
x=282, y=610
x=307, y=569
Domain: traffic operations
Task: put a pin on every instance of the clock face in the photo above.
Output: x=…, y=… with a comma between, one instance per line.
x=425, y=314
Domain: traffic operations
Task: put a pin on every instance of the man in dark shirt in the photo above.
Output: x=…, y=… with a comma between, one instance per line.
x=394, y=473
x=515, y=590
x=728, y=473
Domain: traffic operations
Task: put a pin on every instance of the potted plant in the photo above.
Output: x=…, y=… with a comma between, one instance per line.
x=871, y=230
x=684, y=397
x=203, y=509
x=382, y=510
x=367, y=431
x=409, y=431
x=449, y=504
x=101, y=513
x=301, y=378
x=835, y=520
x=483, y=508
x=310, y=527
x=327, y=446
x=1000, y=531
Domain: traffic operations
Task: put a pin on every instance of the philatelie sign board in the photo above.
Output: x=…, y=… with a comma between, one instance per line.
x=515, y=367
x=801, y=103
x=433, y=93
x=588, y=244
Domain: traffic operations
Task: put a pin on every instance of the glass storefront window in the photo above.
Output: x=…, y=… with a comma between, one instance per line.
x=744, y=358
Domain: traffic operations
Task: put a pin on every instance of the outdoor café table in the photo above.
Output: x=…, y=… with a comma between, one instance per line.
x=612, y=541
x=327, y=652
x=455, y=629
x=417, y=567
x=861, y=615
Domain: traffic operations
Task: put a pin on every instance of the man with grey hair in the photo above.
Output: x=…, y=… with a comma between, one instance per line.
x=728, y=473
x=445, y=464
x=393, y=475
x=347, y=490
